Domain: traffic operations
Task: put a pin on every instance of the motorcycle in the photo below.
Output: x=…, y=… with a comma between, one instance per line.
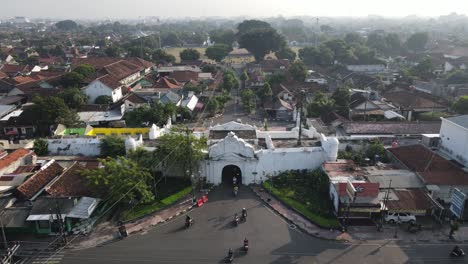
x=188, y=223
x=457, y=252
x=230, y=257
x=236, y=220
x=235, y=191
x=244, y=215
x=246, y=246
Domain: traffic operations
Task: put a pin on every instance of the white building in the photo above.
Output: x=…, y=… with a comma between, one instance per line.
x=103, y=86
x=454, y=138
x=235, y=150
x=371, y=68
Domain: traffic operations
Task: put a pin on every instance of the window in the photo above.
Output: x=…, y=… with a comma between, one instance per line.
x=43, y=224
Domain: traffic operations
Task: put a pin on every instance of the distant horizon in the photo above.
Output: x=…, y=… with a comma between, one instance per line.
x=203, y=9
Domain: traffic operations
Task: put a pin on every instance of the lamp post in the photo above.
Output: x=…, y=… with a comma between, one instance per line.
x=192, y=178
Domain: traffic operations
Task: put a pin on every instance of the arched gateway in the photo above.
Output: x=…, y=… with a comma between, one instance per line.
x=229, y=173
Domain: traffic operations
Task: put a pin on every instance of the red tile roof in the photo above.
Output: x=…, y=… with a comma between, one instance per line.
x=110, y=81
x=341, y=168
x=122, y=69
x=364, y=189
x=70, y=183
x=414, y=100
x=26, y=169
x=39, y=180
x=166, y=82
x=14, y=156
x=13, y=69
x=141, y=62
x=415, y=128
x=184, y=76
x=409, y=200
x=433, y=168
x=97, y=62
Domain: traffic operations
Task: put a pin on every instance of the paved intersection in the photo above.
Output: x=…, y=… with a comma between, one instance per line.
x=272, y=240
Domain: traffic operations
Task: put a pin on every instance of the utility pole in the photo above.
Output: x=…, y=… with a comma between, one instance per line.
x=190, y=173
x=60, y=220
x=5, y=242
x=301, y=102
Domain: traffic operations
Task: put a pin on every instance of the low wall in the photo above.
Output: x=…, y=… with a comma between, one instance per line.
x=74, y=147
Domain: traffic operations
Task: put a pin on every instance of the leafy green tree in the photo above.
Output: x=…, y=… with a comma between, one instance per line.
x=265, y=92
x=112, y=146
x=286, y=53
x=50, y=111
x=340, y=50
x=261, y=42
x=73, y=97
x=122, y=180
x=144, y=158
x=250, y=25
x=457, y=77
x=377, y=41
x=461, y=105
x=417, y=41
x=244, y=77
x=160, y=55
x=218, y=52
x=298, y=71
x=72, y=79
x=170, y=39
x=140, y=52
x=322, y=56
x=103, y=99
x=394, y=45
x=66, y=25
x=210, y=68
x=248, y=97
x=223, y=36
x=424, y=69
x=173, y=148
x=276, y=78
x=190, y=54
x=85, y=70
x=354, y=39
x=229, y=81
x=113, y=51
x=212, y=107
x=321, y=105
x=377, y=148
x=41, y=147
x=342, y=97
x=146, y=115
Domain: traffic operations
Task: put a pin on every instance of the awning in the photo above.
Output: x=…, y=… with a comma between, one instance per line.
x=84, y=208
x=392, y=114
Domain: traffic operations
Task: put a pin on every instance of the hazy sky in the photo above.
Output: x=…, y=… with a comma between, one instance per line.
x=200, y=8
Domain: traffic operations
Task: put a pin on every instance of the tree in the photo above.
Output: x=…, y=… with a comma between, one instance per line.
x=354, y=38
x=112, y=146
x=210, y=68
x=322, y=56
x=160, y=55
x=103, y=99
x=461, y=105
x=340, y=50
x=417, y=41
x=85, y=70
x=144, y=158
x=261, y=42
x=173, y=148
x=457, y=77
x=248, y=97
x=286, y=53
x=276, y=78
x=73, y=97
x=250, y=25
x=212, y=106
x=342, y=97
x=48, y=111
x=265, y=92
x=394, y=45
x=66, y=25
x=223, y=36
x=113, y=51
x=321, y=105
x=170, y=39
x=41, y=147
x=229, y=81
x=189, y=54
x=122, y=180
x=424, y=69
x=244, y=77
x=72, y=79
x=298, y=71
x=217, y=52
x=377, y=41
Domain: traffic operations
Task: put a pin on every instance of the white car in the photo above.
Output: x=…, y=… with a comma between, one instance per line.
x=401, y=217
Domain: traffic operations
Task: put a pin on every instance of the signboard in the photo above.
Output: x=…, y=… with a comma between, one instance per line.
x=458, y=202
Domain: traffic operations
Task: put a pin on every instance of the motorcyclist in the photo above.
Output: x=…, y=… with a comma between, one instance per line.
x=246, y=242
x=244, y=213
x=188, y=219
x=458, y=251
x=230, y=252
x=236, y=189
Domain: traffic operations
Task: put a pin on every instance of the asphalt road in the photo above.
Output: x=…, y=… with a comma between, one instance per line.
x=272, y=240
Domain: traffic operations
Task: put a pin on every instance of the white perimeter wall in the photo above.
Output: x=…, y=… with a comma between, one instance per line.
x=74, y=146
x=454, y=141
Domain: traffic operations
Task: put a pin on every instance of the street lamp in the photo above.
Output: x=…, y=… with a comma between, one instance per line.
x=192, y=178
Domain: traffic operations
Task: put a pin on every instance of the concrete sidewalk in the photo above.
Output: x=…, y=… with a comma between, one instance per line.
x=107, y=232
x=362, y=233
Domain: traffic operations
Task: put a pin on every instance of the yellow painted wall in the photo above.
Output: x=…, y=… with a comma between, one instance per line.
x=97, y=131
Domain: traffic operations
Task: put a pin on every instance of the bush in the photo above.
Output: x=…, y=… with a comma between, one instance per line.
x=41, y=147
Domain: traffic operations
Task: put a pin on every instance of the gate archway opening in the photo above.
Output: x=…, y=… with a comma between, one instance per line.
x=229, y=173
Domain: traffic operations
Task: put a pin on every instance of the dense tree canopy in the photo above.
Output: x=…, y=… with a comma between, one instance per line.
x=248, y=100
x=250, y=25
x=261, y=41
x=189, y=54
x=321, y=105
x=85, y=70
x=41, y=147
x=112, y=146
x=461, y=105
x=218, y=52
x=286, y=53
x=145, y=116
x=113, y=51
x=322, y=56
x=229, y=81
x=73, y=97
x=66, y=25
x=160, y=55
x=121, y=180
x=424, y=69
x=298, y=71
x=221, y=36
x=50, y=111
x=417, y=41
x=103, y=99
x=72, y=79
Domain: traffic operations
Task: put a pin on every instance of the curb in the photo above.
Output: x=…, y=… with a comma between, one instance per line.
x=314, y=234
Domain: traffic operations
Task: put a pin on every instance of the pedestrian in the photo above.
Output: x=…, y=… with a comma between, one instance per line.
x=234, y=180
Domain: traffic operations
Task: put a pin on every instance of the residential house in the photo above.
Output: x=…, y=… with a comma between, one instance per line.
x=367, y=106
x=104, y=86
x=19, y=124
x=35, y=185
x=184, y=77
x=411, y=103
x=454, y=138
x=190, y=102
x=168, y=83
x=371, y=68
x=133, y=101
x=17, y=158
x=101, y=115
x=15, y=70
x=438, y=174
x=171, y=97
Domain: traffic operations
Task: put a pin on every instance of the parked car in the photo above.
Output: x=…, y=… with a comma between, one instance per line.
x=402, y=217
